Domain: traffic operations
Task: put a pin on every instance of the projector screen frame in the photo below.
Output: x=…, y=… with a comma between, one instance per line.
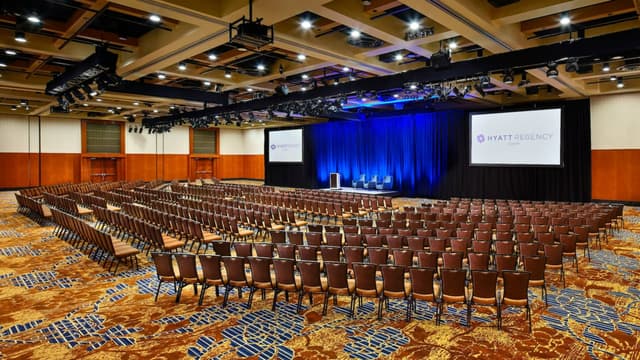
x=562, y=135
x=268, y=142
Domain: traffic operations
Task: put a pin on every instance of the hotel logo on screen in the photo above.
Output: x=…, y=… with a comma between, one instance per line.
x=285, y=147
x=513, y=138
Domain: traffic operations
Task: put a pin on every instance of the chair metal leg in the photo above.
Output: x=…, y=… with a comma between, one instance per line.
x=203, y=289
x=325, y=302
x=275, y=298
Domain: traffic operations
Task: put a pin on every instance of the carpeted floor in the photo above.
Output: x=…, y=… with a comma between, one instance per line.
x=55, y=303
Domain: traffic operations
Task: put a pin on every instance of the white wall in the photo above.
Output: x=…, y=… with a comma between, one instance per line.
x=142, y=143
x=14, y=134
x=615, y=121
x=175, y=142
x=241, y=142
x=62, y=136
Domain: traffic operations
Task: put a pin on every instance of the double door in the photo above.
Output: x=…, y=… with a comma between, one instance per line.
x=103, y=169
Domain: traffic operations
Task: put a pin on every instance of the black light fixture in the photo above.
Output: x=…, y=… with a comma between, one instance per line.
x=78, y=94
x=508, y=77
x=24, y=102
x=485, y=80
x=552, y=70
x=571, y=65
x=606, y=67
x=20, y=37
x=532, y=90
x=479, y=89
x=69, y=98
x=523, y=80
x=620, y=83
x=227, y=74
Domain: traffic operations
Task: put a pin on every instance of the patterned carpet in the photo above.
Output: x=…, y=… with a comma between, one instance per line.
x=56, y=303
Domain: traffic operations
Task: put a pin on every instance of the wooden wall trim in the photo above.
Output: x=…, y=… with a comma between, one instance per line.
x=615, y=174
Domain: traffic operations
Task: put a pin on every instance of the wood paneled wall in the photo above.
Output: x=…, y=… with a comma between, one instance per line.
x=19, y=170
x=615, y=174
x=60, y=168
x=241, y=167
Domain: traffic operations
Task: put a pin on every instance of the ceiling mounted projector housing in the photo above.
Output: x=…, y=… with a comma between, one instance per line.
x=250, y=33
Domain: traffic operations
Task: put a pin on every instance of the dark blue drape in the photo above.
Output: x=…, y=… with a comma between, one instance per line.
x=412, y=148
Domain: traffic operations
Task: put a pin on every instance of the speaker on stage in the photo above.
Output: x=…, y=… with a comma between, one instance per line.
x=334, y=181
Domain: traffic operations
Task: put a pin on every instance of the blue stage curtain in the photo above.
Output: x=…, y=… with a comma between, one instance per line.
x=412, y=148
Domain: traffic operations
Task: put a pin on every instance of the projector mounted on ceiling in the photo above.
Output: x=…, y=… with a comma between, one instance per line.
x=101, y=62
x=250, y=33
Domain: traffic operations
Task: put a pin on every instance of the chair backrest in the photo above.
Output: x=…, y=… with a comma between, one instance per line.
x=277, y=236
x=287, y=251
x=553, y=253
x=260, y=269
x=452, y=260
x=478, y=261
x=264, y=249
x=164, y=265
x=484, y=283
x=394, y=241
x=516, y=285
x=422, y=280
x=285, y=271
x=403, y=257
x=187, y=266
x=353, y=254
x=330, y=253
x=393, y=279
x=378, y=255
x=295, y=237
x=483, y=246
x=437, y=245
x=353, y=240
x=415, y=243
x=374, y=240
x=334, y=238
x=365, y=276
x=308, y=252
x=428, y=259
x=336, y=275
x=243, y=249
x=210, y=266
x=535, y=266
x=222, y=248
x=453, y=282
x=505, y=262
x=568, y=242
x=314, y=238
x=309, y=273
x=234, y=266
x=504, y=247
x=528, y=249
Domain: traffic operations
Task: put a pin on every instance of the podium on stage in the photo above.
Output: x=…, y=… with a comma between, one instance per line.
x=334, y=181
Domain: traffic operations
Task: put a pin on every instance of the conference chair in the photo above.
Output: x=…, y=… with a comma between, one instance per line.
x=393, y=286
x=372, y=183
x=211, y=274
x=484, y=292
x=387, y=183
x=516, y=292
x=359, y=182
x=338, y=283
x=421, y=288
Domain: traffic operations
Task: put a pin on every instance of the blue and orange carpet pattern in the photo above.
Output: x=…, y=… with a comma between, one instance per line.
x=56, y=303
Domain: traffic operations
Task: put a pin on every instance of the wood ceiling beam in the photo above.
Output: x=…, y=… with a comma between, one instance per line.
x=581, y=15
x=527, y=10
x=79, y=19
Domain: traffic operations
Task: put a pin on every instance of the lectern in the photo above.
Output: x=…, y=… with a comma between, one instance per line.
x=334, y=181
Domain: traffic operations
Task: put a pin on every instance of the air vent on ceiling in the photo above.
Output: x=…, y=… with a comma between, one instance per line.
x=501, y=3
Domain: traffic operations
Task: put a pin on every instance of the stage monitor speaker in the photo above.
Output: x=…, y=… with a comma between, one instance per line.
x=334, y=181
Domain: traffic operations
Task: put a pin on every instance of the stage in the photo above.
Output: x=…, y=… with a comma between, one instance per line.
x=365, y=191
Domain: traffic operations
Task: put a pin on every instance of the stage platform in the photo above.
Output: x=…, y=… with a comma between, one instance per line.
x=392, y=193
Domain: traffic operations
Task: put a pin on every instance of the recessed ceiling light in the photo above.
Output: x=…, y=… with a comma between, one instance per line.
x=336, y=82
x=302, y=57
x=414, y=25
x=10, y=52
x=33, y=19
x=182, y=66
x=85, y=104
x=135, y=103
x=346, y=69
x=249, y=89
x=14, y=108
x=227, y=74
x=413, y=86
x=119, y=107
x=212, y=57
x=260, y=67
x=364, y=99
x=606, y=67
x=396, y=96
x=453, y=45
x=618, y=57
x=155, y=18
x=162, y=76
x=20, y=37
x=305, y=76
x=398, y=57
x=565, y=20
x=2, y=64
x=620, y=84
x=303, y=88
x=355, y=34
x=155, y=110
x=99, y=100
x=613, y=78
x=134, y=115
x=206, y=83
x=305, y=24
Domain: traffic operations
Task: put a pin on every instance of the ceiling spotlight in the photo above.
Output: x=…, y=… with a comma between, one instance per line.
x=453, y=45
x=33, y=19
x=414, y=25
x=565, y=20
x=249, y=89
x=571, y=65
x=206, y=83
x=508, y=77
x=302, y=57
x=303, y=88
x=10, y=52
x=23, y=102
x=485, y=81
x=260, y=67
x=305, y=24
x=155, y=111
x=85, y=105
x=396, y=96
x=336, y=82
x=182, y=66
x=99, y=100
x=605, y=67
x=135, y=103
x=14, y=108
x=523, y=80
x=20, y=37
x=364, y=99
x=346, y=69
x=613, y=78
x=3, y=64
x=162, y=76
x=355, y=34
x=305, y=76
x=620, y=83
x=118, y=107
x=552, y=71
x=398, y=57
x=227, y=74
x=213, y=57
x=155, y=18
x=413, y=86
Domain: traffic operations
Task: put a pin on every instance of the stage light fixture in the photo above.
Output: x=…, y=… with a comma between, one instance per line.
x=508, y=77
x=155, y=18
x=182, y=66
x=14, y=108
x=260, y=67
x=571, y=65
x=10, y=52
x=20, y=37
x=162, y=76
x=613, y=78
x=565, y=20
x=213, y=57
x=69, y=98
x=398, y=57
x=34, y=19
x=620, y=83
x=3, y=64
x=206, y=83
x=78, y=94
x=552, y=70
x=606, y=67
x=227, y=74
